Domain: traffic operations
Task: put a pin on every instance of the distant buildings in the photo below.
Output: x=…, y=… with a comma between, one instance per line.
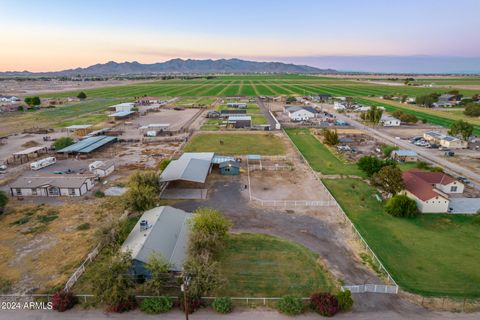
x=9, y=99
x=239, y=121
x=430, y=190
x=446, y=141
x=388, y=121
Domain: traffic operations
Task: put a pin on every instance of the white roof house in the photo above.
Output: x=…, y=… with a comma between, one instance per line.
x=300, y=113
x=191, y=166
x=388, y=121
x=127, y=106
x=163, y=231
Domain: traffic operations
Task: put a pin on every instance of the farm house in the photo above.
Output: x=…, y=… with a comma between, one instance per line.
x=159, y=231
x=52, y=186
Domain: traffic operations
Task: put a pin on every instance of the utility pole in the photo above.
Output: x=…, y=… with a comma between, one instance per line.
x=184, y=287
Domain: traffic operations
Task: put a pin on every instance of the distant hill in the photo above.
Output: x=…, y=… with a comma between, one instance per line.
x=179, y=66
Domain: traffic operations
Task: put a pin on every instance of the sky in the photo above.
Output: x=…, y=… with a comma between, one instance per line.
x=353, y=35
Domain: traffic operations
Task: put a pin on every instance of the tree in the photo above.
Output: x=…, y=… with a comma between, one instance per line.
x=209, y=231
x=390, y=179
x=82, y=95
x=3, y=201
x=472, y=110
x=205, y=275
x=141, y=197
x=113, y=284
x=163, y=164
x=62, y=142
x=146, y=177
x=427, y=100
x=373, y=115
x=32, y=101
x=461, y=128
x=330, y=137
x=371, y=165
x=401, y=206
x=159, y=275
x=291, y=99
x=387, y=149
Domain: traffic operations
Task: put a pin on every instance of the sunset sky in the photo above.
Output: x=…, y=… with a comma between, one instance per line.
x=41, y=35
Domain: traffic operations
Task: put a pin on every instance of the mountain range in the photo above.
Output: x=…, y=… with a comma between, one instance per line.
x=188, y=66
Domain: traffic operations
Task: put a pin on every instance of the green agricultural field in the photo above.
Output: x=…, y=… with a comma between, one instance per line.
x=438, y=117
x=254, y=85
x=264, y=266
x=321, y=159
x=237, y=144
x=433, y=254
x=90, y=111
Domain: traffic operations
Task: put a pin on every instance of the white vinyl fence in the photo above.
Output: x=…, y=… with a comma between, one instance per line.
x=375, y=288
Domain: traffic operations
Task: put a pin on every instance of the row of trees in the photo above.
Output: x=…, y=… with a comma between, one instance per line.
x=405, y=117
x=374, y=115
x=461, y=129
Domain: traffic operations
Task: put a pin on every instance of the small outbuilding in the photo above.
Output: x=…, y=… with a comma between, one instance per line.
x=229, y=168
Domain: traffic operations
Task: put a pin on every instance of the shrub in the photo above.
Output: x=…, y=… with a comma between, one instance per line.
x=123, y=306
x=5, y=285
x=401, y=206
x=222, y=305
x=345, y=301
x=324, y=304
x=3, y=200
x=156, y=305
x=83, y=226
x=99, y=194
x=63, y=142
x=163, y=164
x=63, y=300
x=81, y=95
x=291, y=306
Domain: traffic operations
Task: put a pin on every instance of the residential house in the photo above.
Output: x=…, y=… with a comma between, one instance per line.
x=430, y=190
x=404, y=155
x=388, y=121
x=101, y=169
x=161, y=231
x=300, y=113
x=239, y=105
x=9, y=99
x=52, y=186
x=123, y=107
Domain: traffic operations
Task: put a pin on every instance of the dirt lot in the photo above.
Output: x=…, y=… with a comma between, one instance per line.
x=296, y=184
x=175, y=118
x=41, y=245
x=409, y=131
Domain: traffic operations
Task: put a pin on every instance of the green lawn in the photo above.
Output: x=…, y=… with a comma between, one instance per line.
x=265, y=266
x=236, y=144
x=319, y=156
x=433, y=254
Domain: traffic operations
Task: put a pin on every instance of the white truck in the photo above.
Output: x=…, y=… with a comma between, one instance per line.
x=42, y=163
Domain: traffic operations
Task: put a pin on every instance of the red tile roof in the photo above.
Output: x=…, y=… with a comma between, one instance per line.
x=421, y=183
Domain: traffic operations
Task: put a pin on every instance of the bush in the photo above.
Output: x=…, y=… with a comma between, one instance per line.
x=156, y=305
x=5, y=285
x=62, y=142
x=401, y=206
x=99, y=194
x=324, y=304
x=3, y=200
x=291, y=306
x=222, y=305
x=123, y=306
x=83, y=226
x=163, y=164
x=345, y=301
x=63, y=300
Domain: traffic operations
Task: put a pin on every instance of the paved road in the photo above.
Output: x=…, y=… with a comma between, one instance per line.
x=422, y=152
x=79, y=314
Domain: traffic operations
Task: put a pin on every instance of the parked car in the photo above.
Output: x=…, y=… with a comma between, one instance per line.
x=449, y=153
x=463, y=179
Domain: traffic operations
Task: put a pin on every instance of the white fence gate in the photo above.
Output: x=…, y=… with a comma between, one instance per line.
x=375, y=288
